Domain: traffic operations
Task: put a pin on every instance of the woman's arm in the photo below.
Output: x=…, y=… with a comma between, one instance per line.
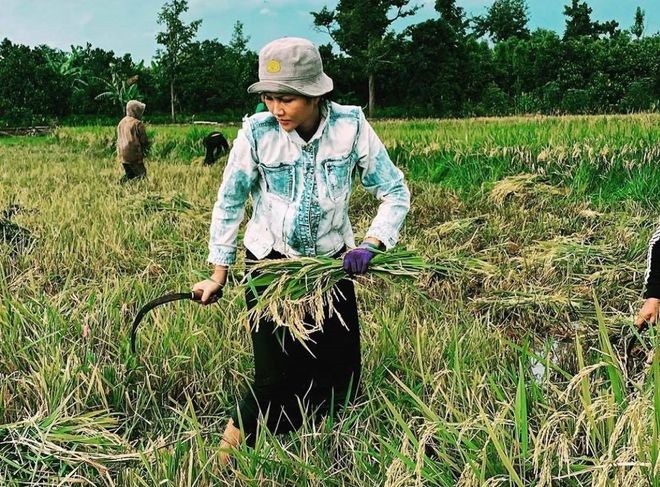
x=381, y=178
x=229, y=209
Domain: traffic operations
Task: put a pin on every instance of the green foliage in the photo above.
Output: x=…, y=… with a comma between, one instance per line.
x=440, y=57
x=175, y=39
x=579, y=23
x=214, y=77
x=639, y=96
x=638, y=27
x=494, y=101
x=505, y=19
x=29, y=88
x=68, y=66
x=362, y=29
x=119, y=91
x=452, y=14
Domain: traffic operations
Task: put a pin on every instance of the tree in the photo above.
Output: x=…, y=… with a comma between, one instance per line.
x=435, y=66
x=578, y=22
x=611, y=28
x=176, y=39
x=523, y=67
x=347, y=76
x=214, y=76
x=505, y=19
x=240, y=65
x=638, y=27
x=30, y=91
x=450, y=13
x=97, y=67
x=361, y=29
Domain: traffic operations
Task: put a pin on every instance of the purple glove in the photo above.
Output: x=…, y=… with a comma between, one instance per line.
x=356, y=261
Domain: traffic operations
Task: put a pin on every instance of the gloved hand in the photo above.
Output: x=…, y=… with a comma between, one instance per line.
x=356, y=261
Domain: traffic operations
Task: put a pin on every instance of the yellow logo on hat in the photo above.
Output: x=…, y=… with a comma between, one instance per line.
x=273, y=66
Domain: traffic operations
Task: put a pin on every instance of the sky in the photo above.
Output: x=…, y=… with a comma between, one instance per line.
x=129, y=26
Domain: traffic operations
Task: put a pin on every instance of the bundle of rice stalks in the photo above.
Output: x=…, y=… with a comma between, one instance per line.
x=524, y=187
x=573, y=248
x=455, y=225
x=154, y=202
x=294, y=292
x=557, y=300
x=76, y=448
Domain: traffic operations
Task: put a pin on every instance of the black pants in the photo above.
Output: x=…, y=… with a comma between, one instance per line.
x=290, y=383
x=133, y=171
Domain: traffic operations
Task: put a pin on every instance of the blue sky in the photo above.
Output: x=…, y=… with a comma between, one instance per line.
x=129, y=26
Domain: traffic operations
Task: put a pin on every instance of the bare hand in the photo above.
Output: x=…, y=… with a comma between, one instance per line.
x=649, y=313
x=207, y=291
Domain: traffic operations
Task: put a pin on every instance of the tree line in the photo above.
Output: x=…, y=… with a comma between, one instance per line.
x=452, y=65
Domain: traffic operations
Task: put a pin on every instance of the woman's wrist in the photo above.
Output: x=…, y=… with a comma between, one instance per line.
x=372, y=243
x=219, y=275
x=212, y=279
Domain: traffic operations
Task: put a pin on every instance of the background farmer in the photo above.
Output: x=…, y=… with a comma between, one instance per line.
x=132, y=141
x=297, y=162
x=215, y=144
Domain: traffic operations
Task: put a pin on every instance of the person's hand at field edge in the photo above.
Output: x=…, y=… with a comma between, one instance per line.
x=648, y=313
x=650, y=310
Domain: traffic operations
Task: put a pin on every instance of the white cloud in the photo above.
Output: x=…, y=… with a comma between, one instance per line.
x=85, y=18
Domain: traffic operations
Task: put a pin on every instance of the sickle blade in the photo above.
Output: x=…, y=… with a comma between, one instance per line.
x=167, y=298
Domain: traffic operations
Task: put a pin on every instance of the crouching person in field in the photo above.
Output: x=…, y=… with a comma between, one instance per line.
x=300, y=208
x=650, y=310
x=132, y=142
x=215, y=144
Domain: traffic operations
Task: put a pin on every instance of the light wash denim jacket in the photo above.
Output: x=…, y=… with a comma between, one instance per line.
x=300, y=190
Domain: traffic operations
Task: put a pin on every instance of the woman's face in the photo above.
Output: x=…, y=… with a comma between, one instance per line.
x=293, y=112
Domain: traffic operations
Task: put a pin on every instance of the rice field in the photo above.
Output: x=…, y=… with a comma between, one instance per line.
x=505, y=365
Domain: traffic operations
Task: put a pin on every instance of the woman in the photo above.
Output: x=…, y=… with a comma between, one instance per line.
x=297, y=162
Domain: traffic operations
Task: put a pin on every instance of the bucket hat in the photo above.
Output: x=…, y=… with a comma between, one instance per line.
x=291, y=65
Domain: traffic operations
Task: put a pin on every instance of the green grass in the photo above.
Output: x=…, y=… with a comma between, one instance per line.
x=557, y=212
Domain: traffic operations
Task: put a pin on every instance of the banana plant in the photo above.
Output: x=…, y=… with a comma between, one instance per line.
x=119, y=90
x=67, y=67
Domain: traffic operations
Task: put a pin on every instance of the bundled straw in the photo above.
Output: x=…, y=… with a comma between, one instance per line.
x=290, y=289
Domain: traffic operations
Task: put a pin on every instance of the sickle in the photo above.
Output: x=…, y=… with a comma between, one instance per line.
x=166, y=298
x=634, y=340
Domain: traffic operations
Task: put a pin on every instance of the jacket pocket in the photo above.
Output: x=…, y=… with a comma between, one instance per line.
x=337, y=174
x=280, y=179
